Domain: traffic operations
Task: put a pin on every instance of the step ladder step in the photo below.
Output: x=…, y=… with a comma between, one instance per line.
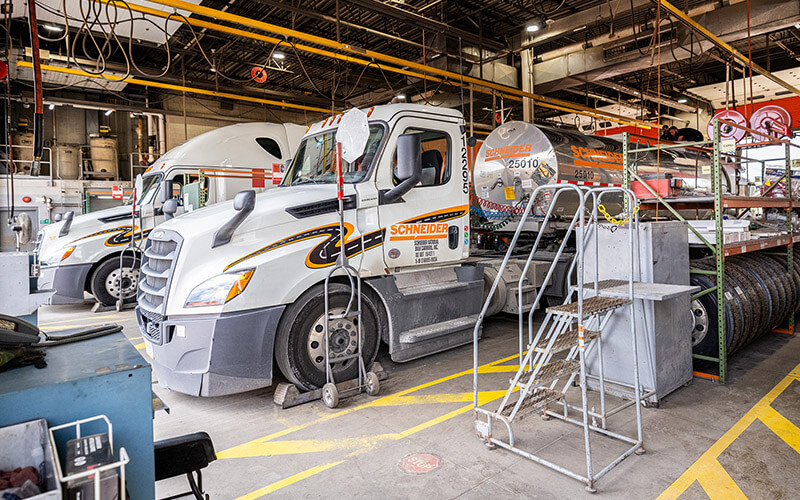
x=566, y=341
x=591, y=306
x=351, y=314
x=535, y=402
x=554, y=371
x=428, y=332
x=602, y=284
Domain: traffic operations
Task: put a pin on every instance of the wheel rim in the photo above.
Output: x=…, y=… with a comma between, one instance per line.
x=699, y=322
x=122, y=280
x=343, y=338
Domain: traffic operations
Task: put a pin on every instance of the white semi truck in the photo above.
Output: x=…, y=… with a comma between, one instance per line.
x=228, y=289
x=82, y=253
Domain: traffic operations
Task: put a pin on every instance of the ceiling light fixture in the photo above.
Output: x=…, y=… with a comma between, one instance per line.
x=108, y=113
x=401, y=96
x=51, y=107
x=532, y=28
x=683, y=100
x=52, y=28
x=278, y=55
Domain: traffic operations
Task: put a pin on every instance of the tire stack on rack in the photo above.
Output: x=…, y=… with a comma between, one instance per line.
x=760, y=296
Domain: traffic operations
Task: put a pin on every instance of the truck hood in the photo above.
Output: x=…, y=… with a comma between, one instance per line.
x=84, y=228
x=252, y=243
x=270, y=212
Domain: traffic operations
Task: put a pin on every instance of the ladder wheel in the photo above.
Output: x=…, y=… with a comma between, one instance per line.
x=330, y=395
x=373, y=384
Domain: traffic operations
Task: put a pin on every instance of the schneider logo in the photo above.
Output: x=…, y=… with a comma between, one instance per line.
x=418, y=231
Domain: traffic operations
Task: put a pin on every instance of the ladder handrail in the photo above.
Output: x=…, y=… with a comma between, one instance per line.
x=507, y=257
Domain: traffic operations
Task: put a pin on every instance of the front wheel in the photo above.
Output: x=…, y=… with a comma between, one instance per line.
x=300, y=340
x=109, y=280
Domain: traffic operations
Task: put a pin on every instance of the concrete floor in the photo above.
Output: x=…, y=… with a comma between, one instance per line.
x=748, y=444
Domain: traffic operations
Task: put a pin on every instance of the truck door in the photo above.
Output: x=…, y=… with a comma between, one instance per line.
x=429, y=225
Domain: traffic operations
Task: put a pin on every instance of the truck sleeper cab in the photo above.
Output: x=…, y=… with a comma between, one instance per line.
x=215, y=316
x=81, y=253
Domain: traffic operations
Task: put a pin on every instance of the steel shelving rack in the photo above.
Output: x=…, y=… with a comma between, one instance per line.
x=719, y=202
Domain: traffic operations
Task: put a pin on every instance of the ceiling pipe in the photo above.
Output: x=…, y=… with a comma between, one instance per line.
x=456, y=78
x=179, y=88
x=738, y=56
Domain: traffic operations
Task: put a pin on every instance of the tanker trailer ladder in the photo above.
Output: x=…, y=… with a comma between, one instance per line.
x=570, y=328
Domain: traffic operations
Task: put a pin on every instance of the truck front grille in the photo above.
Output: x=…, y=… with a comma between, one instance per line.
x=160, y=255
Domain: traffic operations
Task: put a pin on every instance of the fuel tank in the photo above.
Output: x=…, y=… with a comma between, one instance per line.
x=517, y=157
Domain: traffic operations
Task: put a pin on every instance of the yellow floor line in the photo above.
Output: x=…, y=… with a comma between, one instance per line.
x=377, y=402
x=259, y=448
x=62, y=326
x=707, y=470
x=289, y=480
x=84, y=318
x=139, y=346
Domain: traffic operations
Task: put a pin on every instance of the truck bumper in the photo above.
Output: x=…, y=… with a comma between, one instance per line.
x=213, y=355
x=67, y=281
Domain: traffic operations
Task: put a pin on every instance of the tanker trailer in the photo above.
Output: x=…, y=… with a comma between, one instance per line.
x=517, y=157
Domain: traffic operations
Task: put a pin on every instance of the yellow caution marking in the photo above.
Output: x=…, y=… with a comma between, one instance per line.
x=456, y=397
x=139, y=346
x=260, y=447
x=781, y=426
x=707, y=470
x=289, y=480
x=330, y=416
x=84, y=318
x=56, y=327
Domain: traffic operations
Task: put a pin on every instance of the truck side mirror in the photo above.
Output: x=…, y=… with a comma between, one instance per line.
x=409, y=167
x=67, y=223
x=166, y=191
x=58, y=217
x=244, y=202
x=169, y=208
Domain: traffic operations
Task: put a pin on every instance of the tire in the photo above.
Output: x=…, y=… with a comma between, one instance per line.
x=105, y=280
x=300, y=359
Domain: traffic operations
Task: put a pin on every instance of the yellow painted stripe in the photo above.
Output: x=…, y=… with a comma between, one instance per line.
x=139, y=346
x=289, y=480
x=717, y=483
x=707, y=471
x=781, y=426
x=62, y=326
x=83, y=318
x=330, y=416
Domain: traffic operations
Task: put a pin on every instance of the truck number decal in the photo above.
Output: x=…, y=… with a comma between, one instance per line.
x=464, y=166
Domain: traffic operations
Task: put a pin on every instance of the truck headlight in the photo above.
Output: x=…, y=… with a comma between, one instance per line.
x=219, y=289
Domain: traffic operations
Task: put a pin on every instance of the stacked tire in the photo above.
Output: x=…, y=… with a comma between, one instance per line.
x=760, y=295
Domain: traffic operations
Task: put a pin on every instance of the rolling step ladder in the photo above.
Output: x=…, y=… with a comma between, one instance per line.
x=555, y=356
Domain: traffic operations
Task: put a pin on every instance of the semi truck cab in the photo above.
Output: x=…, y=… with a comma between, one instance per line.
x=215, y=328
x=81, y=253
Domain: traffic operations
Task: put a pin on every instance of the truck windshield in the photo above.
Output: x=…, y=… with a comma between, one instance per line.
x=150, y=185
x=315, y=161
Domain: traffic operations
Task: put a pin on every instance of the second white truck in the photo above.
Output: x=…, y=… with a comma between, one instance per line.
x=81, y=253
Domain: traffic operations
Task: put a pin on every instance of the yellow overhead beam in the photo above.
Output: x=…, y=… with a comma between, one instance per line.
x=454, y=78
x=691, y=23
x=180, y=88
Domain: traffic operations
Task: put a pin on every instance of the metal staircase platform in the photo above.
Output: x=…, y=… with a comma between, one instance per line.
x=534, y=402
x=591, y=306
x=566, y=341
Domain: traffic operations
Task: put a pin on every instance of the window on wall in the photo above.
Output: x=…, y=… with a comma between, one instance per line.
x=271, y=146
x=435, y=147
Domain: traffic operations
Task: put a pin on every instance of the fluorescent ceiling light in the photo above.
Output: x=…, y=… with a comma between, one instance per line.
x=51, y=107
x=683, y=100
x=278, y=55
x=109, y=112
x=52, y=28
x=532, y=28
x=401, y=96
